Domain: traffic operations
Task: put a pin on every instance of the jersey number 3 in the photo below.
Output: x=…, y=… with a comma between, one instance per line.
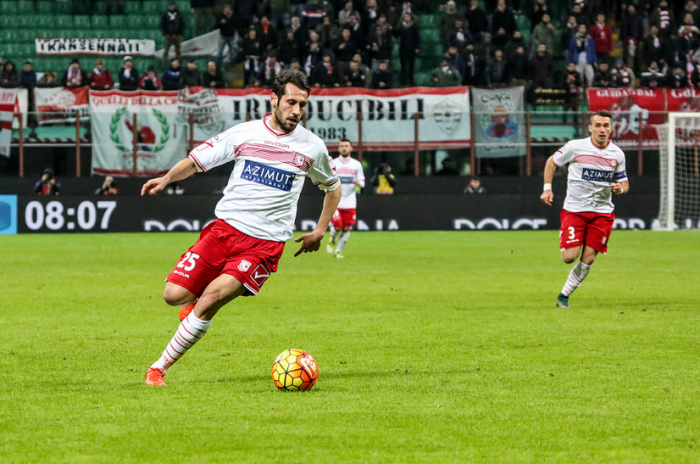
x=189, y=261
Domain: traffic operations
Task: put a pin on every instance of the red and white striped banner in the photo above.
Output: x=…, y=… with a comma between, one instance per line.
x=7, y=109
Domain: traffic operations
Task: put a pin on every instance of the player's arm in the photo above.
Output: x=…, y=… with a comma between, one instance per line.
x=181, y=171
x=549, y=168
x=312, y=241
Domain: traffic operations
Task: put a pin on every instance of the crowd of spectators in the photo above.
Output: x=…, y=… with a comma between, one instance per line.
x=350, y=43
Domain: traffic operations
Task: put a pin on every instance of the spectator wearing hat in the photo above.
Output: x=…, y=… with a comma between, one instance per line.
x=227, y=29
x=150, y=80
x=172, y=77
x=190, y=75
x=9, y=77
x=47, y=185
x=75, y=76
x=172, y=26
x=128, y=75
x=212, y=77
x=100, y=77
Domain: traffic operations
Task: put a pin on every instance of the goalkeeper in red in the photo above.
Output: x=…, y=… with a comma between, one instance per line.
x=596, y=171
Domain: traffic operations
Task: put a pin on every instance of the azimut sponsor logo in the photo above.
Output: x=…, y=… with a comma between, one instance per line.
x=266, y=175
x=596, y=175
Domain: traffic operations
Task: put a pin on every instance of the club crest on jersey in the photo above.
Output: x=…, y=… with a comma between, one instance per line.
x=266, y=175
x=259, y=275
x=243, y=265
x=596, y=175
x=299, y=159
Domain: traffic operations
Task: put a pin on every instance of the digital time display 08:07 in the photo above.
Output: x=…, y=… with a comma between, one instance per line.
x=53, y=215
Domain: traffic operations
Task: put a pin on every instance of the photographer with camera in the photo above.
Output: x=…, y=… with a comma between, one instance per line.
x=47, y=185
x=109, y=187
x=383, y=180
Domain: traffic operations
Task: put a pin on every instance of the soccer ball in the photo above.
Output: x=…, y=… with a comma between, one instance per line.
x=294, y=370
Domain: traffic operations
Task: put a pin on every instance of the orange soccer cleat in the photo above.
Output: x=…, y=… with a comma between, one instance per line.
x=154, y=377
x=186, y=310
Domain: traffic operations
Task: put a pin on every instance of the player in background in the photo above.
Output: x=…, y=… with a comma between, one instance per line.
x=351, y=176
x=237, y=253
x=596, y=171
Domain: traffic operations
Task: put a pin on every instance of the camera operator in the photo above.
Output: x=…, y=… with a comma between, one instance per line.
x=383, y=180
x=109, y=187
x=47, y=185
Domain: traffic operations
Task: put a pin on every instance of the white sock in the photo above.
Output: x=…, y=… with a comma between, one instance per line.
x=334, y=233
x=342, y=242
x=189, y=333
x=576, y=277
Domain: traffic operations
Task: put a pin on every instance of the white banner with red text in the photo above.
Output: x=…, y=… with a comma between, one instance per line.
x=136, y=133
x=8, y=98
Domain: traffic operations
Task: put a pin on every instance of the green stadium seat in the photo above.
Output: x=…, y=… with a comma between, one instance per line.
x=8, y=8
x=423, y=80
x=427, y=21
x=63, y=22
x=100, y=22
x=45, y=7
x=82, y=34
x=11, y=49
x=57, y=65
x=59, y=34
x=99, y=8
x=28, y=35
x=62, y=7
x=27, y=50
x=81, y=22
x=151, y=7
x=102, y=34
x=151, y=22
x=9, y=36
x=117, y=22
x=24, y=7
x=430, y=36
x=44, y=21
x=10, y=22
x=135, y=7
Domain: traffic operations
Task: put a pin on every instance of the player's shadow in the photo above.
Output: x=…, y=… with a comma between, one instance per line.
x=344, y=374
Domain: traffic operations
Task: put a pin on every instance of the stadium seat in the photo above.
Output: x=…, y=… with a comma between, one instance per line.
x=9, y=22
x=423, y=79
x=27, y=50
x=63, y=22
x=430, y=36
x=9, y=36
x=135, y=7
x=100, y=22
x=135, y=23
x=44, y=21
x=151, y=7
x=81, y=22
x=117, y=22
x=151, y=22
x=99, y=8
x=8, y=8
x=28, y=35
x=24, y=7
x=44, y=7
x=62, y=7
x=427, y=21
x=82, y=34
x=11, y=49
x=59, y=34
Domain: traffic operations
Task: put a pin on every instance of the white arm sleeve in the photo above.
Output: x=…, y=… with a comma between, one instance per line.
x=322, y=173
x=360, y=175
x=564, y=155
x=218, y=150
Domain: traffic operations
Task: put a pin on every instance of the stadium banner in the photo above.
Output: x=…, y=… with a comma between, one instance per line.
x=190, y=213
x=8, y=98
x=499, y=117
x=21, y=107
x=387, y=116
x=635, y=112
x=149, y=118
x=202, y=46
x=94, y=47
x=57, y=105
x=203, y=104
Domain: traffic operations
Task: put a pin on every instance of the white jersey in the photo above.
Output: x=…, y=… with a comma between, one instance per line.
x=349, y=170
x=591, y=171
x=261, y=197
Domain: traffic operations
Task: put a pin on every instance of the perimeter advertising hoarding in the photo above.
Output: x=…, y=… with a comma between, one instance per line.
x=375, y=212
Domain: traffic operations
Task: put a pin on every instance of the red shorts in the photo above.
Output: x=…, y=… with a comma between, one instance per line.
x=222, y=249
x=591, y=229
x=344, y=218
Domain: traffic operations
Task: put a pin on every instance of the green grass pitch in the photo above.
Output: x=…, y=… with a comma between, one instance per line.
x=432, y=347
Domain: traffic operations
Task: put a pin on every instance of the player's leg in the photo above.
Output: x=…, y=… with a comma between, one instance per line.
x=571, y=238
x=218, y=293
x=176, y=295
x=342, y=242
x=336, y=228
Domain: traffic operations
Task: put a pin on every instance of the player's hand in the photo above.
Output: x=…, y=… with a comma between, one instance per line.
x=154, y=186
x=617, y=188
x=310, y=242
x=547, y=197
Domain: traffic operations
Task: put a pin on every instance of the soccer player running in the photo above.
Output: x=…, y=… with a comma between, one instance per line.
x=351, y=175
x=237, y=253
x=596, y=171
